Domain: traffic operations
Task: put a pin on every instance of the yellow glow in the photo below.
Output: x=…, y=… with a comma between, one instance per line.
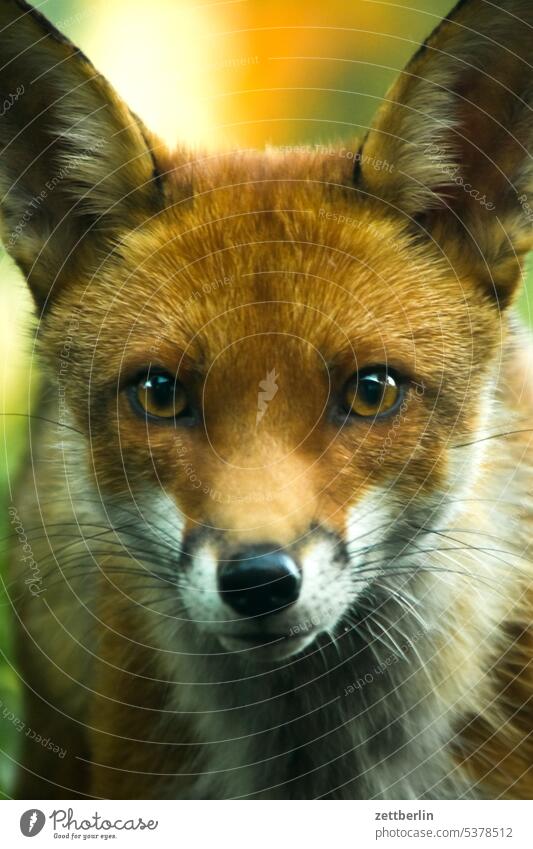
x=15, y=307
x=155, y=56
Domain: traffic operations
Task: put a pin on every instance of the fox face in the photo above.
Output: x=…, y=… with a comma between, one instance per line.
x=264, y=396
x=283, y=364
x=262, y=392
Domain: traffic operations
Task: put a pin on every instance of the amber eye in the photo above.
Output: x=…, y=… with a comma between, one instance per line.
x=159, y=395
x=372, y=392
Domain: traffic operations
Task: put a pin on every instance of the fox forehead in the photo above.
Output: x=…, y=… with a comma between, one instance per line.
x=250, y=243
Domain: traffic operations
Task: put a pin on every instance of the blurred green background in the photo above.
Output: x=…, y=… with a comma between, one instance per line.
x=244, y=72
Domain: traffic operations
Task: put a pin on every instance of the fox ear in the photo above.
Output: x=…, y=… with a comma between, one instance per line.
x=455, y=131
x=76, y=166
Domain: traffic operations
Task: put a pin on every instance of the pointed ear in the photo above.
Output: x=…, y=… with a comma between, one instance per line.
x=456, y=132
x=76, y=167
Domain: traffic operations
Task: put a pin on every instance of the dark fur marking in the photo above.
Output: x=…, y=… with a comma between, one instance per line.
x=157, y=176
x=357, y=174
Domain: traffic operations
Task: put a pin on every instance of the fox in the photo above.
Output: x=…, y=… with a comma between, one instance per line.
x=277, y=503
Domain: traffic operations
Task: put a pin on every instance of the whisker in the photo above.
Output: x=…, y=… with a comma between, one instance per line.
x=44, y=419
x=493, y=436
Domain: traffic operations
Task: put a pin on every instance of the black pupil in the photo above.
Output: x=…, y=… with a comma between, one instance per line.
x=161, y=388
x=372, y=387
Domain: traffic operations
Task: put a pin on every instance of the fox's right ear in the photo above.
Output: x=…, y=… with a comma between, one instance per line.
x=456, y=131
x=76, y=166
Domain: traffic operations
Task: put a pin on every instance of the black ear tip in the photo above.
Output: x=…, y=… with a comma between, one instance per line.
x=44, y=24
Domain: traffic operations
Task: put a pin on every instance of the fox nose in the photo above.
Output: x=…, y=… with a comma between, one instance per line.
x=259, y=581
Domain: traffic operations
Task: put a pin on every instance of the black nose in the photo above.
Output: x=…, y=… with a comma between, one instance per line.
x=259, y=581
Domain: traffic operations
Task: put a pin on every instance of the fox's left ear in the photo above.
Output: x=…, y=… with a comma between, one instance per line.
x=455, y=133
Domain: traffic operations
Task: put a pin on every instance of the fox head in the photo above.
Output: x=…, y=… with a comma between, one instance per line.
x=278, y=362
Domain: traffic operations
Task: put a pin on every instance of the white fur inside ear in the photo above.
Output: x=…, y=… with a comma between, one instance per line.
x=104, y=156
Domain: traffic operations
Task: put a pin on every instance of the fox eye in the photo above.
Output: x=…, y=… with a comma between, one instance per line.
x=372, y=392
x=159, y=395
